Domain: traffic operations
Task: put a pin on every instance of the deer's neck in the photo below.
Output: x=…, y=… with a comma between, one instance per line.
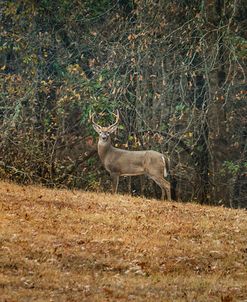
x=104, y=149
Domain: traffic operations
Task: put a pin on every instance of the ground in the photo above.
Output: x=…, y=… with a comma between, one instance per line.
x=60, y=245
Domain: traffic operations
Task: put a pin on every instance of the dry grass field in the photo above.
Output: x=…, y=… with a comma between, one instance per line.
x=59, y=245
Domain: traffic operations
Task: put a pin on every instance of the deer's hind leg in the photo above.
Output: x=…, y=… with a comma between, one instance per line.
x=165, y=187
x=156, y=169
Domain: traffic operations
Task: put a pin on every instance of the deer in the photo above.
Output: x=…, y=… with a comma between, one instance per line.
x=120, y=162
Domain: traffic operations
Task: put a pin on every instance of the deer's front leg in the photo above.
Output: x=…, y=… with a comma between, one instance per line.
x=142, y=182
x=115, y=181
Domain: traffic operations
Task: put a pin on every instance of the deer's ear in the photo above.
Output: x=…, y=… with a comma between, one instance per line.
x=96, y=128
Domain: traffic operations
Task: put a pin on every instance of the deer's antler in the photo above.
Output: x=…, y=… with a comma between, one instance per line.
x=112, y=127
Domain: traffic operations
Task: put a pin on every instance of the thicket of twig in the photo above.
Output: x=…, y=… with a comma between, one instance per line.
x=176, y=70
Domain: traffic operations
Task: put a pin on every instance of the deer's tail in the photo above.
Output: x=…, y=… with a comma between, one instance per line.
x=166, y=165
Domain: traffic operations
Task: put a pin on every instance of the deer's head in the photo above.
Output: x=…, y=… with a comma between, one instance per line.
x=104, y=132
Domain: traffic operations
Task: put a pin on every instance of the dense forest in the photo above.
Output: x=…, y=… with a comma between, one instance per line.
x=175, y=70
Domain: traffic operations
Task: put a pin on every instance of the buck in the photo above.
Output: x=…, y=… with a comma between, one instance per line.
x=120, y=162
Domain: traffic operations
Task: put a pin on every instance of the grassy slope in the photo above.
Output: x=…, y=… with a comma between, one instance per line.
x=58, y=245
